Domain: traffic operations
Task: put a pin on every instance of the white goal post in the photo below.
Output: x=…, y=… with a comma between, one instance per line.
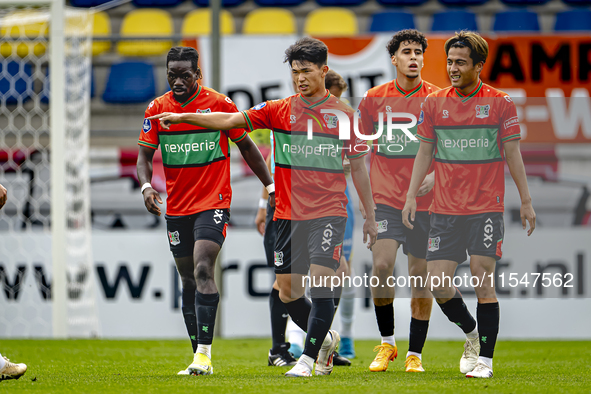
x=62, y=204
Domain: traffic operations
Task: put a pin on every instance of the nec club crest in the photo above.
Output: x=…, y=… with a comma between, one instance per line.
x=331, y=121
x=174, y=238
x=482, y=111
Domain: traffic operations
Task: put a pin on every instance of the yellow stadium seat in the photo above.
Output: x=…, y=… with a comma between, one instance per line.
x=198, y=23
x=331, y=22
x=145, y=22
x=269, y=21
x=101, y=27
x=32, y=24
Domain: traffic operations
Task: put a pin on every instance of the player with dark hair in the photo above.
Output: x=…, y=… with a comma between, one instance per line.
x=9, y=370
x=197, y=168
x=310, y=210
x=471, y=128
x=391, y=167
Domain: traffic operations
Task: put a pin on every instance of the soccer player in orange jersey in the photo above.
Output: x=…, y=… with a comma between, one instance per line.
x=197, y=169
x=391, y=168
x=310, y=209
x=471, y=128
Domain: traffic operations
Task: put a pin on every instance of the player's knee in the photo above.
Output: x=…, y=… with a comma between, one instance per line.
x=188, y=283
x=382, y=268
x=203, y=271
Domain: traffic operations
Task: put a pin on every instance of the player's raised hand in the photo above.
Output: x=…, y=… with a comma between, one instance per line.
x=150, y=198
x=528, y=214
x=3, y=196
x=370, y=228
x=167, y=119
x=410, y=208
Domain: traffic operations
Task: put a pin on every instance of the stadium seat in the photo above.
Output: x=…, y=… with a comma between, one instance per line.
x=20, y=74
x=278, y=3
x=340, y=3
x=462, y=3
x=401, y=3
x=225, y=3
x=101, y=28
x=145, y=22
x=130, y=82
x=198, y=23
x=87, y=3
x=523, y=3
x=454, y=21
x=269, y=21
x=521, y=20
x=575, y=20
x=391, y=21
x=157, y=3
x=331, y=21
x=12, y=27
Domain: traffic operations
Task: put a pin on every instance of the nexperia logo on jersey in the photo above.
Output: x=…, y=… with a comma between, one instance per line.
x=467, y=144
x=399, y=145
x=191, y=148
x=295, y=150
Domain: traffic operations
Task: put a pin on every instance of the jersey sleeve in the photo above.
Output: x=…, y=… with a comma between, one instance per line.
x=149, y=133
x=425, y=130
x=236, y=135
x=509, y=122
x=355, y=147
x=364, y=111
x=259, y=116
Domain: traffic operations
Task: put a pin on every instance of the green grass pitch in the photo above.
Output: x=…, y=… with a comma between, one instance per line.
x=240, y=366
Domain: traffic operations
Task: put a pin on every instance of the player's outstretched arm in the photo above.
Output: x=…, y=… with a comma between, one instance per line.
x=3, y=196
x=253, y=157
x=363, y=187
x=419, y=171
x=144, y=175
x=214, y=120
x=517, y=169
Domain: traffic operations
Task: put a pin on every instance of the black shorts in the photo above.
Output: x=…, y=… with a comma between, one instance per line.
x=452, y=235
x=270, y=235
x=390, y=226
x=303, y=242
x=183, y=231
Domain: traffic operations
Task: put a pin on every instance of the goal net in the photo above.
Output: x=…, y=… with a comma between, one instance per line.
x=28, y=304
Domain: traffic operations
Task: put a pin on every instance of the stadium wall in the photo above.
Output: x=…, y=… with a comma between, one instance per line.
x=139, y=290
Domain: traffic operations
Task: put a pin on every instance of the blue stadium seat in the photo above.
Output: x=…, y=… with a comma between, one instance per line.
x=278, y=3
x=225, y=3
x=391, y=21
x=130, y=82
x=340, y=3
x=520, y=20
x=87, y=3
x=157, y=3
x=401, y=3
x=524, y=3
x=454, y=21
x=462, y=3
x=575, y=20
x=17, y=76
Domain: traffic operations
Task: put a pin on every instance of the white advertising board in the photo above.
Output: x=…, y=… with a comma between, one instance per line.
x=138, y=290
